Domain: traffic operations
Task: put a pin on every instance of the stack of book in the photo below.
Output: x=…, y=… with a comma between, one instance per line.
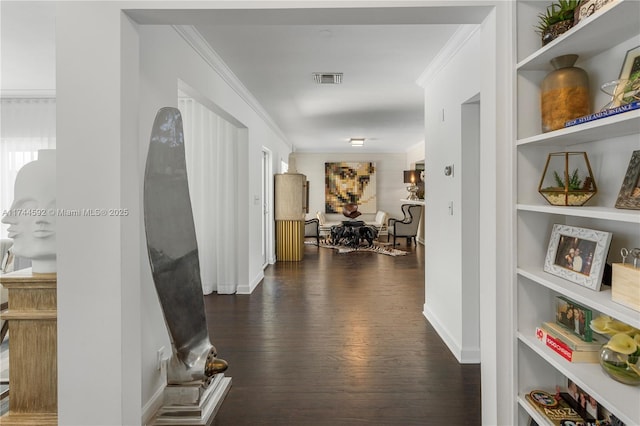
x=568, y=345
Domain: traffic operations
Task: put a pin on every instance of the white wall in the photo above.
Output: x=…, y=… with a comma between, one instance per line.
x=444, y=96
x=389, y=179
x=415, y=154
x=98, y=257
x=483, y=60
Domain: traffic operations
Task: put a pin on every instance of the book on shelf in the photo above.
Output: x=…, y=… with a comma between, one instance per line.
x=555, y=409
x=602, y=114
x=559, y=347
x=571, y=340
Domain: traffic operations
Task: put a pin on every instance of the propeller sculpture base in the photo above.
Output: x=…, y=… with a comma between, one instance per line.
x=192, y=404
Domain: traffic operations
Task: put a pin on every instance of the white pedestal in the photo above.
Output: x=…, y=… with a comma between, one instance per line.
x=198, y=413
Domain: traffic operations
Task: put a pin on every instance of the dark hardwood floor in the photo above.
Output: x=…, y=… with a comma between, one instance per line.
x=339, y=339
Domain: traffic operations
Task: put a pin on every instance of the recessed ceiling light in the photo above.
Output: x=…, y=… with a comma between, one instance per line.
x=356, y=141
x=327, y=77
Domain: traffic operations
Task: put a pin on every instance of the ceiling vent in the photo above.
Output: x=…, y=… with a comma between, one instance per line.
x=327, y=77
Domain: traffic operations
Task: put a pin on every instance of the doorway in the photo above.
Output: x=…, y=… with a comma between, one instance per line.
x=470, y=176
x=266, y=203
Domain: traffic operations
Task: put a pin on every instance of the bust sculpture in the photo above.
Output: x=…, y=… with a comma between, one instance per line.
x=32, y=217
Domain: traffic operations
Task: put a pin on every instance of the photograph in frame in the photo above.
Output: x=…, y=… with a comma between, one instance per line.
x=578, y=255
x=574, y=318
x=629, y=195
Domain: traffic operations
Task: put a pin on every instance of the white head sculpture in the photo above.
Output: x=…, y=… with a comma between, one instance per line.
x=32, y=218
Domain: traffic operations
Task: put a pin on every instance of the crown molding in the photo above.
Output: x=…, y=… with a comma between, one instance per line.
x=29, y=93
x=448, y=51
x=204, y=49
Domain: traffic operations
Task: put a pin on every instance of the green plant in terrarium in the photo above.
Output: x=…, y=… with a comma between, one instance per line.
x=562, y=10
x=575, y=183
x=571, y=185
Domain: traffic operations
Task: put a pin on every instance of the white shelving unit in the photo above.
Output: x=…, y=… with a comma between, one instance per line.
x=601, y=42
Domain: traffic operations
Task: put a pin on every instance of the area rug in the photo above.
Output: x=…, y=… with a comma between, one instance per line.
x=381, y=248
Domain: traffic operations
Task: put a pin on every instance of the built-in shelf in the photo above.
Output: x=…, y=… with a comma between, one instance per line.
x=590, y=37
x=627, y=123
x=606, y=213
x=609, y=33
x=589, y=376
x=598, y=300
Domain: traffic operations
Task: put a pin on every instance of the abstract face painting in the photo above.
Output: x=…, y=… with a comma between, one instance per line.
x=350, y=182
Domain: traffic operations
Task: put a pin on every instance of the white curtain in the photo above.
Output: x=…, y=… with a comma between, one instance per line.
x=26, y=125
x=212, y=154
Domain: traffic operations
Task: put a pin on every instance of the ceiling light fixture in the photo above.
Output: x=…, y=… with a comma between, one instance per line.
x=356, y=141
x=327, y=77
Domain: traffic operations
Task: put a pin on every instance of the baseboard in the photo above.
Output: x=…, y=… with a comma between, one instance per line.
x=153, y=405
x=243, y=289
x=463, y=355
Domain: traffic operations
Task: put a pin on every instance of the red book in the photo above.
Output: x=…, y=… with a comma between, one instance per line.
x=565, y=351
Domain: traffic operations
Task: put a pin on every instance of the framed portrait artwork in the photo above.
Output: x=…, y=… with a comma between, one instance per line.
x=629, y=195
x=578, y=255
x=350, y=183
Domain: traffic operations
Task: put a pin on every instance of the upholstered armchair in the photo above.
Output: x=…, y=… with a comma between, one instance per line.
x=408, y=226
x=312, y=229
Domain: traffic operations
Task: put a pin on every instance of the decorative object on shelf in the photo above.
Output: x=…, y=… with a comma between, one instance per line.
x=577, y=254
x=412, y=177
x=629, y=195
x=556, y=20
x=620, y=356
x=567, y=179
x=629, y=88
x=588, y=8
x=623, y=93
x=350, y=182
x=564, y=93
x=573, y=316
x=32, y=216
x=602, y=114
x=625, y=280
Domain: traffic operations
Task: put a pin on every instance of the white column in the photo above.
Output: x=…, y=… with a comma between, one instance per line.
x=98, y=261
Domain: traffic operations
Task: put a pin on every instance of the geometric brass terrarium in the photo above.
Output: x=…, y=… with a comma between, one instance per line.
x=567, y=179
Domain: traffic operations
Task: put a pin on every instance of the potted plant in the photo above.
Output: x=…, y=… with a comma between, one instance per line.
x=564, y=186
x=557, y=19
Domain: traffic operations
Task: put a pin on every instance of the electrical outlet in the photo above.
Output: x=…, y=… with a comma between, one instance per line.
x=160, y=358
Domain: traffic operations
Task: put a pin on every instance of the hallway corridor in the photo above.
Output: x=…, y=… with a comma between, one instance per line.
x=339, y=339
